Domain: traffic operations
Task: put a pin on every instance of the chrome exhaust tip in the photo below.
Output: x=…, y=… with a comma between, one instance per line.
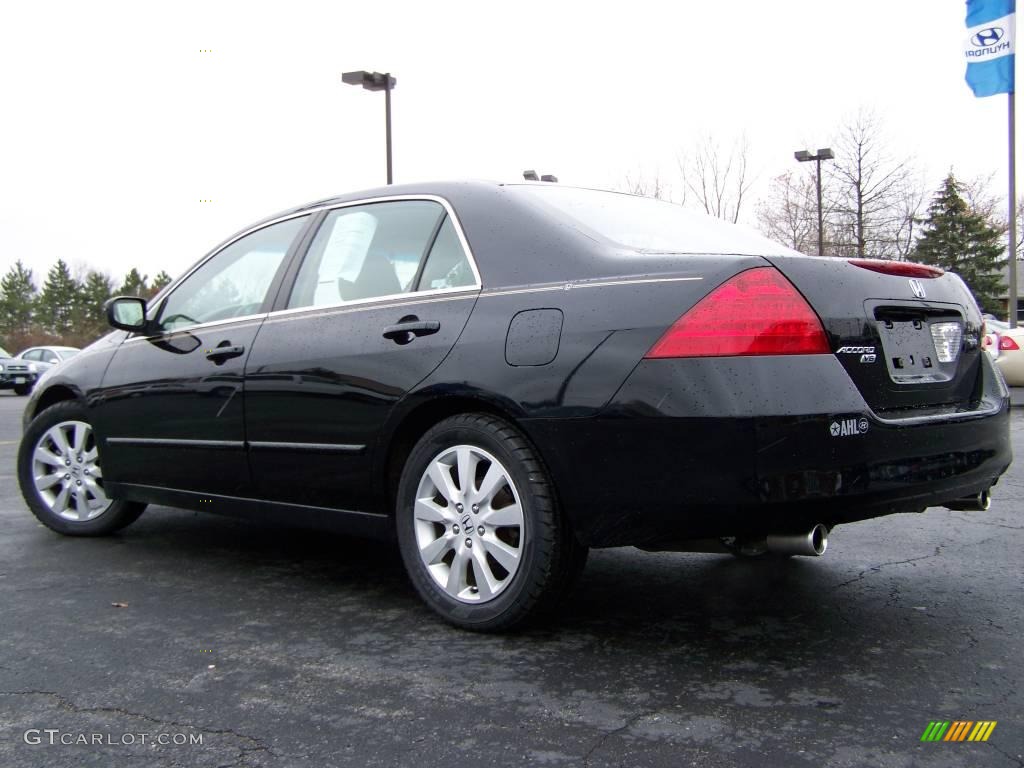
x=812, y=543
x=977, y=503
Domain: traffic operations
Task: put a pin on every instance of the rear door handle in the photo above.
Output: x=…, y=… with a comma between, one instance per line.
x=408, y=329
x=222, y=353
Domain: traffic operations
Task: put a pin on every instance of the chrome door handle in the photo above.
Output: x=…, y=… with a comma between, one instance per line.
x=404, y=332
x=220, y=354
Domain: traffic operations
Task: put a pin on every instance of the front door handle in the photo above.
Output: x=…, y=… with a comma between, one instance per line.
x=225, y=351
x=409, y=328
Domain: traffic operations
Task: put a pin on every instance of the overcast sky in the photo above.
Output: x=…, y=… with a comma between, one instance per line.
x=114, y=125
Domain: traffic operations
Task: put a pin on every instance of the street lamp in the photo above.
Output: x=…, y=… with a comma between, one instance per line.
x=376, y=81
x=823, y=154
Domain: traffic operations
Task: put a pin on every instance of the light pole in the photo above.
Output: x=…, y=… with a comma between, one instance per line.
x=376, y=81
x=823, y=154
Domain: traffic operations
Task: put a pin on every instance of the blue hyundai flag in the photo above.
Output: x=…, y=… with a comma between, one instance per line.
x=989, y=47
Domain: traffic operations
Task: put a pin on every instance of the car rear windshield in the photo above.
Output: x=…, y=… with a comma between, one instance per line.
x=649, y=225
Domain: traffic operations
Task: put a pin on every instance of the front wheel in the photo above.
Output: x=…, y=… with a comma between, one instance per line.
x=22, y=389
x=61, y=476
x=481, y=536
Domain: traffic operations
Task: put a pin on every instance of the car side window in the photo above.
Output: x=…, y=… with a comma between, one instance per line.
x=49, y=357
x=447, y=265
x=234, y=282
x=365, y=252
x=32, y=354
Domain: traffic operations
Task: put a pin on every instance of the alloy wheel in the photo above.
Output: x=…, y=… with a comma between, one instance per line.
x=67, y=474
x=469, y=524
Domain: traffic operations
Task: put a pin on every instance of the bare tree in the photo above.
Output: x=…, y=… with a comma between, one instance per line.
x=981, y=200
x=639, y=183
x=789, y=214
x=977, y=192
x=873, y=194
x=909, y=204
x=1020, y=226
x=719, y=181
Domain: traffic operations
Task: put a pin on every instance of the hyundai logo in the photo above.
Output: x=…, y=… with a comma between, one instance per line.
x=917, y=288
x=988, y=37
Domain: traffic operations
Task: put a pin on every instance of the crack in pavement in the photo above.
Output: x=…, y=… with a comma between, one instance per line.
x=880, y=566
x=991, y=525
x=64, y=703
x=938, y=551
x=615, y=732
x=1007, y=755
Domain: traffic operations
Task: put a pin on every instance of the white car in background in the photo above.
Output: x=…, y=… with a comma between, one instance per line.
x=49, y=356
x=38, y=360
x=15, y=374
x=1006, y=346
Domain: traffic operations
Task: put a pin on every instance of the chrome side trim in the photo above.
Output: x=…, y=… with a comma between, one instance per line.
x=593, y=284
x=637, y=281
x=309, y=447
x=397, y=300
x=176, y=443
x=257, y=444
x=243, y=321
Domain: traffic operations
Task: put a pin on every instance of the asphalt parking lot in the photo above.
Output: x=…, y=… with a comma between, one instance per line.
x=278, y=647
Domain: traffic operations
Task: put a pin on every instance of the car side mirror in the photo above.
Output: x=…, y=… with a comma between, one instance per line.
x=127, y=313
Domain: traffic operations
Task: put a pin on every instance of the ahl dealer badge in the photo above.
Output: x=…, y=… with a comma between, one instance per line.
x=848, y=427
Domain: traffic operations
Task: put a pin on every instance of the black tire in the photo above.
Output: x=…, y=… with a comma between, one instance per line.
x=551, y=555
x=118, y=515
x=22, y=389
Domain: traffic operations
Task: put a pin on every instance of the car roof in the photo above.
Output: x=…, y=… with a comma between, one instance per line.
x=501, y=229
x=514, y=239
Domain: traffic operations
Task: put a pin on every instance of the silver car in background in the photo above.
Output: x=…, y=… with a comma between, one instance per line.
x=21, y=372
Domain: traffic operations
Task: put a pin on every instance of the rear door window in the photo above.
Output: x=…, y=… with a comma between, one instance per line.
x=366, y=252
x=447, y=265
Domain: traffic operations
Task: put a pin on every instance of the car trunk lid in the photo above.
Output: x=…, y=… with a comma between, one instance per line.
x=908, y=343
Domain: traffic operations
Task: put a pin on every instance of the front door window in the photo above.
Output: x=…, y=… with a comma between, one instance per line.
x=234, y=283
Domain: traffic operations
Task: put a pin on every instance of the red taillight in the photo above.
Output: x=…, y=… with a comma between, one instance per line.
x=898, y=268
x=1007, y=344
x=757, y=312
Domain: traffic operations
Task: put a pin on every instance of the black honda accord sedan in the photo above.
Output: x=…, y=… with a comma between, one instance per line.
x=501, y=376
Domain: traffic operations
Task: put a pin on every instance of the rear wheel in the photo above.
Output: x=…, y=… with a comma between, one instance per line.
x=479, y=530
x=61, y=476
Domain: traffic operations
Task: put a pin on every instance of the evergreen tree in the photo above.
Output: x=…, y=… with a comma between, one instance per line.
x=134, y=284
x=59, y=302
x=962, y=241
x=17, y=301
x=95, y=291
x=162, y=279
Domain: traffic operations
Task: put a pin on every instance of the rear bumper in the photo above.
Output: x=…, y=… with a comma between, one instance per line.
x=736, y=446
